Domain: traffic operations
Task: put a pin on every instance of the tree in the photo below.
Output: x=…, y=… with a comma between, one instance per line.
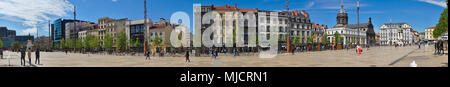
x=338, y=37
x=108, y=42
x=442, y=26
x=63, y=43
x=69, y=43
x=79, y=43
x=311, y=40
x=16, y=45
x=325, y=39
x=94, y=42
x=296, y=40
x=137, y=43
x=121, y=40
x=1, y=43
x=86, y=42
x=157, y=41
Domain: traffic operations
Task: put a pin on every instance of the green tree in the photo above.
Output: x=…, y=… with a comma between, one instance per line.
x=15, y=45
x=63, y=43
x=94, y=42
x=325, y=40
x=442, y=26
x=1, y=43
x=296, y=40
x=157, y=41
x=310, y=39
x=121, y=40
x=86, y=42
x=108, y=41
x=70, y=43
x=338, y=37
x=137, y=43
x=79, y=43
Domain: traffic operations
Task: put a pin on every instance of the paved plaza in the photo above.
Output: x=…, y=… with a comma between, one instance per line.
x=373, y=57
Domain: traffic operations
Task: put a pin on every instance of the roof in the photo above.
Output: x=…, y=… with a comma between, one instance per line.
x=158, y=27
x=399, y=23
x=361, y=25
x=227, y=7
x=431, y=28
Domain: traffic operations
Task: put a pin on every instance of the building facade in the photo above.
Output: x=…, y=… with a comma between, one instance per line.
x=351, y=33
x=112, y=27
x=231, y=9
x=72, y=29
x=135, y=30
x=396, y=33
x=429, y=34
x=58, y=30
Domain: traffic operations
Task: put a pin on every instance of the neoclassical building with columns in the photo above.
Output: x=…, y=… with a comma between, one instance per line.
x=349, y=32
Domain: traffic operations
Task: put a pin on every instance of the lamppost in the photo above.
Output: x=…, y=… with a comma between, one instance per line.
x=146, y=31
x=359, y=36
x=288, y=35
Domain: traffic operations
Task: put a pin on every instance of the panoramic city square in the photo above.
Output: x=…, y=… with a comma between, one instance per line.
x=301, y=33
x=372, y=57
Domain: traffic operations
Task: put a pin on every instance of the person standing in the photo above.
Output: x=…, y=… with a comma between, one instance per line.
x=38, y=60
x=441, y=47
x=22, y=57
x=1, y=53
x=234, y=51
x=29, y=55
x=419, y=44
x=435, y=47
x=187, y=57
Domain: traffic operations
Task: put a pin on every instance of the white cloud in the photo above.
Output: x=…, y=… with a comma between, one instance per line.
x=33, y=12
x=310, y=5
x=30, y=31
x=114, y=0
x=441, y=3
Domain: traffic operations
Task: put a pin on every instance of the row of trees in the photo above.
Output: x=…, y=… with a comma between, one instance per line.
x=324, y=41
x=93, y=42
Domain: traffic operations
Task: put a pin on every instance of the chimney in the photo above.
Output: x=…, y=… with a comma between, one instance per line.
x=235, y=5
x=370, y=20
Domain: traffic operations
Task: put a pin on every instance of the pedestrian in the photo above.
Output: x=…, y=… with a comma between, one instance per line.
x=22, y=56
x=29, y=55
x=234, y=51
x=419, y=44
x=38, y=60
x=187, y=57
x=293, y=51
x=147, y=55
x=441, y=47
x=436, y=47
x=1, y=53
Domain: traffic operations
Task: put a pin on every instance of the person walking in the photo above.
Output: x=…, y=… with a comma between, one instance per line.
x=38, y=60
x=22, y=57
x=147, y=55
x=187, y=57
x=29, y=55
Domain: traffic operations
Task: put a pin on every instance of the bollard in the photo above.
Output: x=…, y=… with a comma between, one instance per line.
x=413, y=64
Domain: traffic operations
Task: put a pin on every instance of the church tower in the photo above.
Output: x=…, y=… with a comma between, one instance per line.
x=342, y=16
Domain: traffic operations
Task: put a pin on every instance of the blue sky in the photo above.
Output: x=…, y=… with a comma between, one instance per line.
x=420, y=13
